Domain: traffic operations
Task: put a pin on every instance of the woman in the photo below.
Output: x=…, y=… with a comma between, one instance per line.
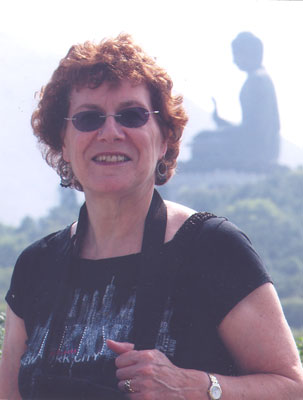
x=141, y=297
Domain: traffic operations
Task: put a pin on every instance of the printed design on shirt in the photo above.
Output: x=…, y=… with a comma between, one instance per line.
x=92, y=320
x=165, y=342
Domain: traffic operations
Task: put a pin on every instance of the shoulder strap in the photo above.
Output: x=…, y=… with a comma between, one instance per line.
x=155, y=225
x=150, y=277
x=157, y=275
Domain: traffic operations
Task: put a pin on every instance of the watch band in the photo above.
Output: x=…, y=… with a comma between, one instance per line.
x=215, y=391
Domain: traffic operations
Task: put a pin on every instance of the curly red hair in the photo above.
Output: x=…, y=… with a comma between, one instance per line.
x=89, y=65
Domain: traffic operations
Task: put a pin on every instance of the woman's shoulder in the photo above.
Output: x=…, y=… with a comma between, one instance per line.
x=183, y=221
x=177, y=215
x=52, y=240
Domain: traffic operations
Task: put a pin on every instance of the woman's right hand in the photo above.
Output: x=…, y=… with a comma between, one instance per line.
x=151, y=375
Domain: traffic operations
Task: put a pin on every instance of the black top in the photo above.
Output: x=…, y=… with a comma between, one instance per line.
x=210, y=274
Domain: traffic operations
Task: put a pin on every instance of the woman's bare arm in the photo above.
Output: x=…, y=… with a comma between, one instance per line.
x=13, y=347
x=259, y=338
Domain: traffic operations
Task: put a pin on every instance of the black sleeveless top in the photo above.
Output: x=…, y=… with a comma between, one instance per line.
x=205, y=275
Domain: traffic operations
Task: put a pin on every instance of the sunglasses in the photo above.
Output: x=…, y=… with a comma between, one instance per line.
x=91, y=120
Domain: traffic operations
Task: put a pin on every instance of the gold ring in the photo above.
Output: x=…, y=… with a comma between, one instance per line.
x=127, y=386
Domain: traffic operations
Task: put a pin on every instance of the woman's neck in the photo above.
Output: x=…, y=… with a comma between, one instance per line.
x=115, y=224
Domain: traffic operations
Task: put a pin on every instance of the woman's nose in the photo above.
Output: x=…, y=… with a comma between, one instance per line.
x=111, y=130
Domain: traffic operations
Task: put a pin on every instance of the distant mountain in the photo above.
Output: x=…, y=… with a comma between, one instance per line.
x=198, y=120
x=28, y=184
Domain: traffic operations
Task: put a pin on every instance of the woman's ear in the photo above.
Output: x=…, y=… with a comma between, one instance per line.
x=64, y=147
x=164, y=149
x=65, y=154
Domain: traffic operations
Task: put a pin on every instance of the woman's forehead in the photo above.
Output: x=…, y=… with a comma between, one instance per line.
x=108, y=94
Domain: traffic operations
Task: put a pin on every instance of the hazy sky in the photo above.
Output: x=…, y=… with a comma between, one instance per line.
x=191, y=38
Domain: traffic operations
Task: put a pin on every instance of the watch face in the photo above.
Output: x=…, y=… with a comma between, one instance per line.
x=215, y=392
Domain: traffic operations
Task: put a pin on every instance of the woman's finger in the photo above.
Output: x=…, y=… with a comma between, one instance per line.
x=119, y=347
x=126, y=372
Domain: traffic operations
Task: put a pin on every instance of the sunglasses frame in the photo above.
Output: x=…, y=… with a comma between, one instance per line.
x=104, y=116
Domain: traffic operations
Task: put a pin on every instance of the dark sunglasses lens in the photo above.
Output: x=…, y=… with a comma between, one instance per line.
x=133, y=117
x=87, y=121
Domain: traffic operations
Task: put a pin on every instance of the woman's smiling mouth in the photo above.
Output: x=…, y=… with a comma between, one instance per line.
x=111, y=158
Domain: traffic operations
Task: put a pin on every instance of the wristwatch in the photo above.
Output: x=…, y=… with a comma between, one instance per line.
x=215, y=391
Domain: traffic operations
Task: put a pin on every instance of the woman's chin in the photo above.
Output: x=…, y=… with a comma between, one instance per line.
x=110, y=187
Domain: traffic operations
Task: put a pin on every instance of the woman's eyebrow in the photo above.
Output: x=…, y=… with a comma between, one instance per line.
x=130, y=103
x=123, y=104
x=89, y=106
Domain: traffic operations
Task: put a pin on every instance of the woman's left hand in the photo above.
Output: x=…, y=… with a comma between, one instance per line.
x=152, y=376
